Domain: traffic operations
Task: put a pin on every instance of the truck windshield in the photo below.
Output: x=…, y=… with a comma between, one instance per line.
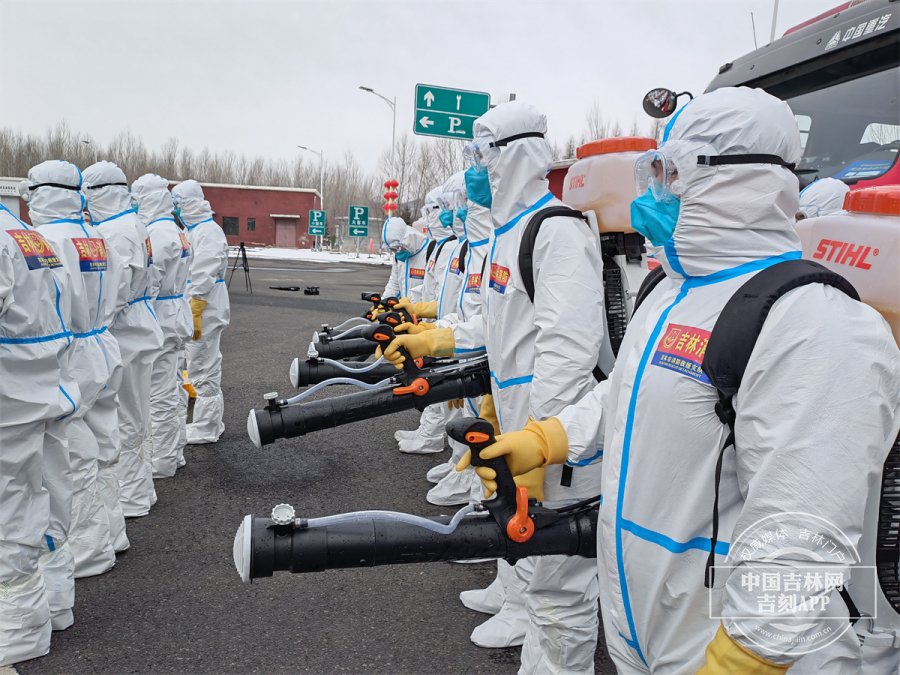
x=850, y=130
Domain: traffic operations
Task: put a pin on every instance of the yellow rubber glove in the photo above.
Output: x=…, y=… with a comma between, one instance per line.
x=197, y=307
x=724, y=656
x=188, y=386
x=533, y=481
x=438, y=342
x=414, y=329
x=455, y=403
x=423, y=310
x=488, y=412
x=375, y=311
x=536, y=446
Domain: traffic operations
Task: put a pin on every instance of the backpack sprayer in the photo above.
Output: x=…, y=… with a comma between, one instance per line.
x=511, y=526
x=414, y=387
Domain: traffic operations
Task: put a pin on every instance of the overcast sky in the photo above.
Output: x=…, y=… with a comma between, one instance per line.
x=262, y=77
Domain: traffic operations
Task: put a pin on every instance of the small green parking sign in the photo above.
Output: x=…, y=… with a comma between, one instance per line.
x=317, y=222
x=359, y=221
x=448, y=113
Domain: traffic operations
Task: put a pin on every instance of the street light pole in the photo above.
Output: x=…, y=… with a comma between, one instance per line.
x=321, y=154
x=393, y=105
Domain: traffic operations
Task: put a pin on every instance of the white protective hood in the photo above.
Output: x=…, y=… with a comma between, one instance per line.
x=824, y=197
x=518, y=173
x=732, y=214
x=433, y=216
x=106, y=189
x=151, y=192
x=188, y=196
x=49, y=203
x=454, y=184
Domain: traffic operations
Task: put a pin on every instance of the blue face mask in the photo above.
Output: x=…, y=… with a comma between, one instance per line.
x=134, y=207
x=447, y=218
x=478, y=187
x=462, y=212
x=177, y=211
x=402, y=255
x=655, y=220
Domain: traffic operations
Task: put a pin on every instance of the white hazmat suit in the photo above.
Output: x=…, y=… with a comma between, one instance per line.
x=822, y=198
x=34, y=391
x=429, y=437
x=542, y=355
x=817, y=411
x=408, y=273
x=212, y=311
x=172, y=265
x=93, y=272
x=139, y=336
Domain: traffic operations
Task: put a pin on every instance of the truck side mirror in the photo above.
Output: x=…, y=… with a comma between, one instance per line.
x=660, y=103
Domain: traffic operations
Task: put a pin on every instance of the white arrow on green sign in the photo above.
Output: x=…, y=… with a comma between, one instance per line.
x=448, y=113
x=359, y=221
x=317, y=222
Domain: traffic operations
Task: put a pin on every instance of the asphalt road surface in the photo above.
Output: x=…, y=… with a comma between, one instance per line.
x=174, y=602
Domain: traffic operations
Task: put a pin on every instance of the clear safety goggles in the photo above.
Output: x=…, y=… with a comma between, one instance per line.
x=656, y=172
x=481, y=152
x=428, y=209
x=445, y=201
x=459, y=200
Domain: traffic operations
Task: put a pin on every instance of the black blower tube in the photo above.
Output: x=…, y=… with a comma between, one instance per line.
x=299, y=419
x=343, y=349
x=313, y=372
x=368, y=543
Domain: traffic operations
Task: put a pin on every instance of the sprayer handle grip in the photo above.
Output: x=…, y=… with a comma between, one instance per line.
x=478, y=434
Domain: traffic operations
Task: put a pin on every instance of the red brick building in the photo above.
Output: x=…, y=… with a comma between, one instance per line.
x=257, y=216
x=263, y=216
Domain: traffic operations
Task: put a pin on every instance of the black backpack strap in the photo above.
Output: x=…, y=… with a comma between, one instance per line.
x=650, y=282
x=441, y=246
x=462, y=256
x=431, y=245
x=529, y=237
x=734, y=337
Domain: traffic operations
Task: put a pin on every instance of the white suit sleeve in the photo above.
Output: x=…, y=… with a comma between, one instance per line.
x=469, y=337
x=7, y=279
x=815, y=421
x=392, y=289
x=568, y=314
x=210, y=257
x=584, y=432
x=120, y=283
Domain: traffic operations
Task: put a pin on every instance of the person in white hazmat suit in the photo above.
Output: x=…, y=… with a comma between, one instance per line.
x=210, y=308
x=172, y=265
x=822, y=198
x=35, y=391
x=429, y=437
x=542, y=355
x=452, y=487
x=410, y=247
x=93, y=272
x=139, y=337
x=816, y=414
x=476, y=219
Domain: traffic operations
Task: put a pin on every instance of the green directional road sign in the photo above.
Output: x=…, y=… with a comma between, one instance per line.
x=317, y=222
x=359, y=221
x=448, y=113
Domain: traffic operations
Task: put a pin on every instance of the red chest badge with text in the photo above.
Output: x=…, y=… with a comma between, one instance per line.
x=185, y=245
x=416, y=272
x=35, y=248
x=681, y=349
x=91, y=254
x=149, y=252
x=454, y=266
x=499, y=278
x=473, y=284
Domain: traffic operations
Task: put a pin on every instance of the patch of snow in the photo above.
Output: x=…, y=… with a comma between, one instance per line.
x=308, y=255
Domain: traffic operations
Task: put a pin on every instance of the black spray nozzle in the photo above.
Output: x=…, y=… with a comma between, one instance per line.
x=374, y=298
x=395, y=318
